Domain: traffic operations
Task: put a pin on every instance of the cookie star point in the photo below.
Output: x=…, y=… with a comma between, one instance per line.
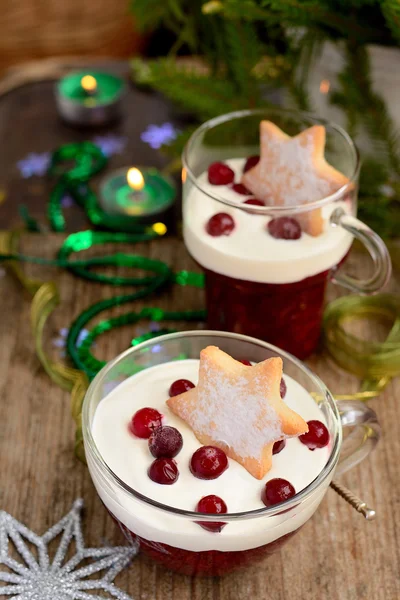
x=293, y=171
x=238, y=409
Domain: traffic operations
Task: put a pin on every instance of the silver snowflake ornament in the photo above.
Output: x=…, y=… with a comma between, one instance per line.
x=40, y=578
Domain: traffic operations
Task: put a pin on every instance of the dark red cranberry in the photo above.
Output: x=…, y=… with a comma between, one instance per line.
x=213, y=505
x=180, y=386
x=220, y=224
x=245, y=362
x=277, y=490
x=165, y=441
x=284, y=228
x=220, y=174
x=250, y=163
x=278, y=446
x=239, y=188
x=145, y=421
x=208, y=462
x=317, y=435
x=254, y=202
x=163, y=471
x=283, y=388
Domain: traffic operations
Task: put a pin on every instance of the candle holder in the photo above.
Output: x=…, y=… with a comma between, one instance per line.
x=90, y=98
x=138, y=193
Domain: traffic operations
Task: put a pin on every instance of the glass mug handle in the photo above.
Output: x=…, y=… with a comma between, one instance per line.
x=376, y=248
x=363, y=437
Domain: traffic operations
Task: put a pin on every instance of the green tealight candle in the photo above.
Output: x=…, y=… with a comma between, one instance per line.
x=138, y=193
x=89, y=98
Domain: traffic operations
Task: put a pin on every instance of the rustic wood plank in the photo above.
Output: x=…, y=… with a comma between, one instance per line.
x=337, y=555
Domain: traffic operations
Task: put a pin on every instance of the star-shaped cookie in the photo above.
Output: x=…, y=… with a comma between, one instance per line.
x=293, y=171
x=238, y=409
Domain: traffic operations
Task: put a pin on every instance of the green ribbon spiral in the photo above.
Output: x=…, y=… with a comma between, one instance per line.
x=375, y=362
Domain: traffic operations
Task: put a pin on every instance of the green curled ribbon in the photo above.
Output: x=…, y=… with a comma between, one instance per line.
x=375, y=362
x=46, y=299
x=162, y=275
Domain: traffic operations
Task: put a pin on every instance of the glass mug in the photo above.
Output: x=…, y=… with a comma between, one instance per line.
x=257, y=285
x=172, y=536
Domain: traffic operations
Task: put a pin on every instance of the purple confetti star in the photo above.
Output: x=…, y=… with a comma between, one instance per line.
x=110, y=144
x=158, y=135
x=34, y=164
x=67, y=201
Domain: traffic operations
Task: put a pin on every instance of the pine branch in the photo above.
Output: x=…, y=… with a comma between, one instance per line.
x=314, y=13
x=391, y=12
x=242, y=54
x=304, y=53
x=200, y=94
x=370, y=105
x=150, y=13
x=246, y=10
x=378, y=205
x=300, y=13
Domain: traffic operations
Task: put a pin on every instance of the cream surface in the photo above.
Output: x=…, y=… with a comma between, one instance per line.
x=249, y=252
x=129, y=458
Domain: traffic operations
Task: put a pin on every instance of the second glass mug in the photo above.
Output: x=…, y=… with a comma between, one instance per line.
x=277, y=296
x=172, y=536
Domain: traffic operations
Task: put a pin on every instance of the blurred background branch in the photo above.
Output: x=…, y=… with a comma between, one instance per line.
x=249, y=53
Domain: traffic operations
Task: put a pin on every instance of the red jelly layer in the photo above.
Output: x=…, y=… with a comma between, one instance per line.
x=207, y=563
x=287, y=315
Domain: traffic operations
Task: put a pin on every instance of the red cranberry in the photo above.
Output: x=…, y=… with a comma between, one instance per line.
x=213, y=505
x=254, y=202
x=284, y=228
x=239, y=188
x=317, y=435
x=145, y=421
x=220, y=174
x=208, y=462
x=277, y=490
x=163, y=471
x=283, y=388
x=278, y=446
x=220, y=224
x=250, y=163
x=180, y=386
x=165, y=441
x=245, y=362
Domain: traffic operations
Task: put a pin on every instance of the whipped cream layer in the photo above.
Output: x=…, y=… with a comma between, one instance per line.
x=130, y=458
x=249, y=252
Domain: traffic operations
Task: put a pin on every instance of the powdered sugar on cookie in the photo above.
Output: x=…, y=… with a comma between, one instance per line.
x=293, y=171
x=224, y=410
x=238, y=409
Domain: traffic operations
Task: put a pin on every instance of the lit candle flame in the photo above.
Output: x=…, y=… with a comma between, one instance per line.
x=135, y=179
x=324, y=86
x=89, y=84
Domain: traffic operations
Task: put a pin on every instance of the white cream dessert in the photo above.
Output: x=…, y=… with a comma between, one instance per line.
x=129, y=458
x=249, y=252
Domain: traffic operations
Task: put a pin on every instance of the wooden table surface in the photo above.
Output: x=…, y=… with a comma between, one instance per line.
x=336, y=556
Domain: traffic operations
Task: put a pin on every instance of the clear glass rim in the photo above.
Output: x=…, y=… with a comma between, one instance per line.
x=265, y=511
x=272, y=210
